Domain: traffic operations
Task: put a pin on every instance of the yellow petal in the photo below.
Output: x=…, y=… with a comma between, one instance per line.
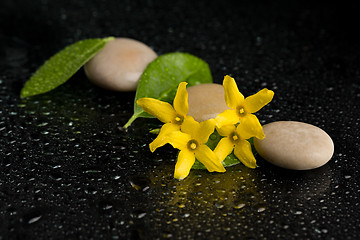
x=199, y=131
x=243, y=152
x=227, y=117
x=178, y=139
x=226, y=130
x=184, y=163
x=180, y=103
x=244, y=132
x=255, y=102
x=224, y=148
x=207, y=157
x=190, y=126
x=250, y=127
x=233, y=97
x=159, y=109
x=161, y=139
x=205, y=130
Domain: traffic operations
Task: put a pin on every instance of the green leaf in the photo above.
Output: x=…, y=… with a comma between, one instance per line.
x=163, y=75
x=60, y=67
x=155, y=131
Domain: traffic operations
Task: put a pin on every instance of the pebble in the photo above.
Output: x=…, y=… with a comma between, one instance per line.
x=295, y=145
x=119, y=65
x=206, y=101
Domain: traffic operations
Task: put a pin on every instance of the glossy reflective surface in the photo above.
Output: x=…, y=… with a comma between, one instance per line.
x=69, y=171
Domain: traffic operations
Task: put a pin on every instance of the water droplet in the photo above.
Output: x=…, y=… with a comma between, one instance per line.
x=140, y=183
x=219, y=205
x=12, y=211
x=261, y=209
x=239, y=205
x=91, y=191
x=93, y=171
x=34, y=219
x=55, y=176
x=105, y=205
x=55, y=166
x=167, y=235
x=42, y=124
x=138, y=214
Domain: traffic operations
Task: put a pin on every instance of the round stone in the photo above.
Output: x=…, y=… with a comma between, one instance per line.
x=206, y=101
x=295, y=145
x=119, y=65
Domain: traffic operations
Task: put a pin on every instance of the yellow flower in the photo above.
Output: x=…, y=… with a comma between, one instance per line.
x=235, y=139
x=242, y=109
x=191, y=141
x=173, y=117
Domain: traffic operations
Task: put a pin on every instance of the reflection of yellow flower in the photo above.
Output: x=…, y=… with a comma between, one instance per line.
x=191, y=141
x=235, y=138
x=173, y=117
x=242, y=109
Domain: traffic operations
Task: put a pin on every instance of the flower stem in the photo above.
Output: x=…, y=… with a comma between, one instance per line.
x=133, y=117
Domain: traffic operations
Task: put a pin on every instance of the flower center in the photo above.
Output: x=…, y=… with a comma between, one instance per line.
x=241, y=111
x=192, y=144
x=234, y=137
x=178, y=119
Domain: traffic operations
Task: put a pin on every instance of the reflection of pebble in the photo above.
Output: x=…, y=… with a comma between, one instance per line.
x=295, y=145
x=206, y=101
x=119, y=65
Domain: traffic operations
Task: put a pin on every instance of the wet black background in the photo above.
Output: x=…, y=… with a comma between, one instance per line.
x=69, y=171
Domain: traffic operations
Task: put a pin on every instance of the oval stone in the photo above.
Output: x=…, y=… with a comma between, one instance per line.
x=206, y=101
x=295, y=145
x=119, y=65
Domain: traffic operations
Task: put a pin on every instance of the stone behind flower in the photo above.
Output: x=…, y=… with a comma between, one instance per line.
x=295, y=145
x=119, y=65
x=206, y=101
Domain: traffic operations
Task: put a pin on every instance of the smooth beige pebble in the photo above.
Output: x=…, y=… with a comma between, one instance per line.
x=295, y=145
x=119, y=65
x=206, y=101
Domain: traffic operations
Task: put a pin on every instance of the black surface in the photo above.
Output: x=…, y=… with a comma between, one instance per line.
x=68, y=170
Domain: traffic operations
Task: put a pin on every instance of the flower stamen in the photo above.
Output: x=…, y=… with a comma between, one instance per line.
x=178, y=119
x=192, y=145
x=234, y=137
x=241, y=111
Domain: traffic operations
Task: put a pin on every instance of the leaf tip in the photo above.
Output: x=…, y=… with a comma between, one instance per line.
x=108, y=39
x=24, y=93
